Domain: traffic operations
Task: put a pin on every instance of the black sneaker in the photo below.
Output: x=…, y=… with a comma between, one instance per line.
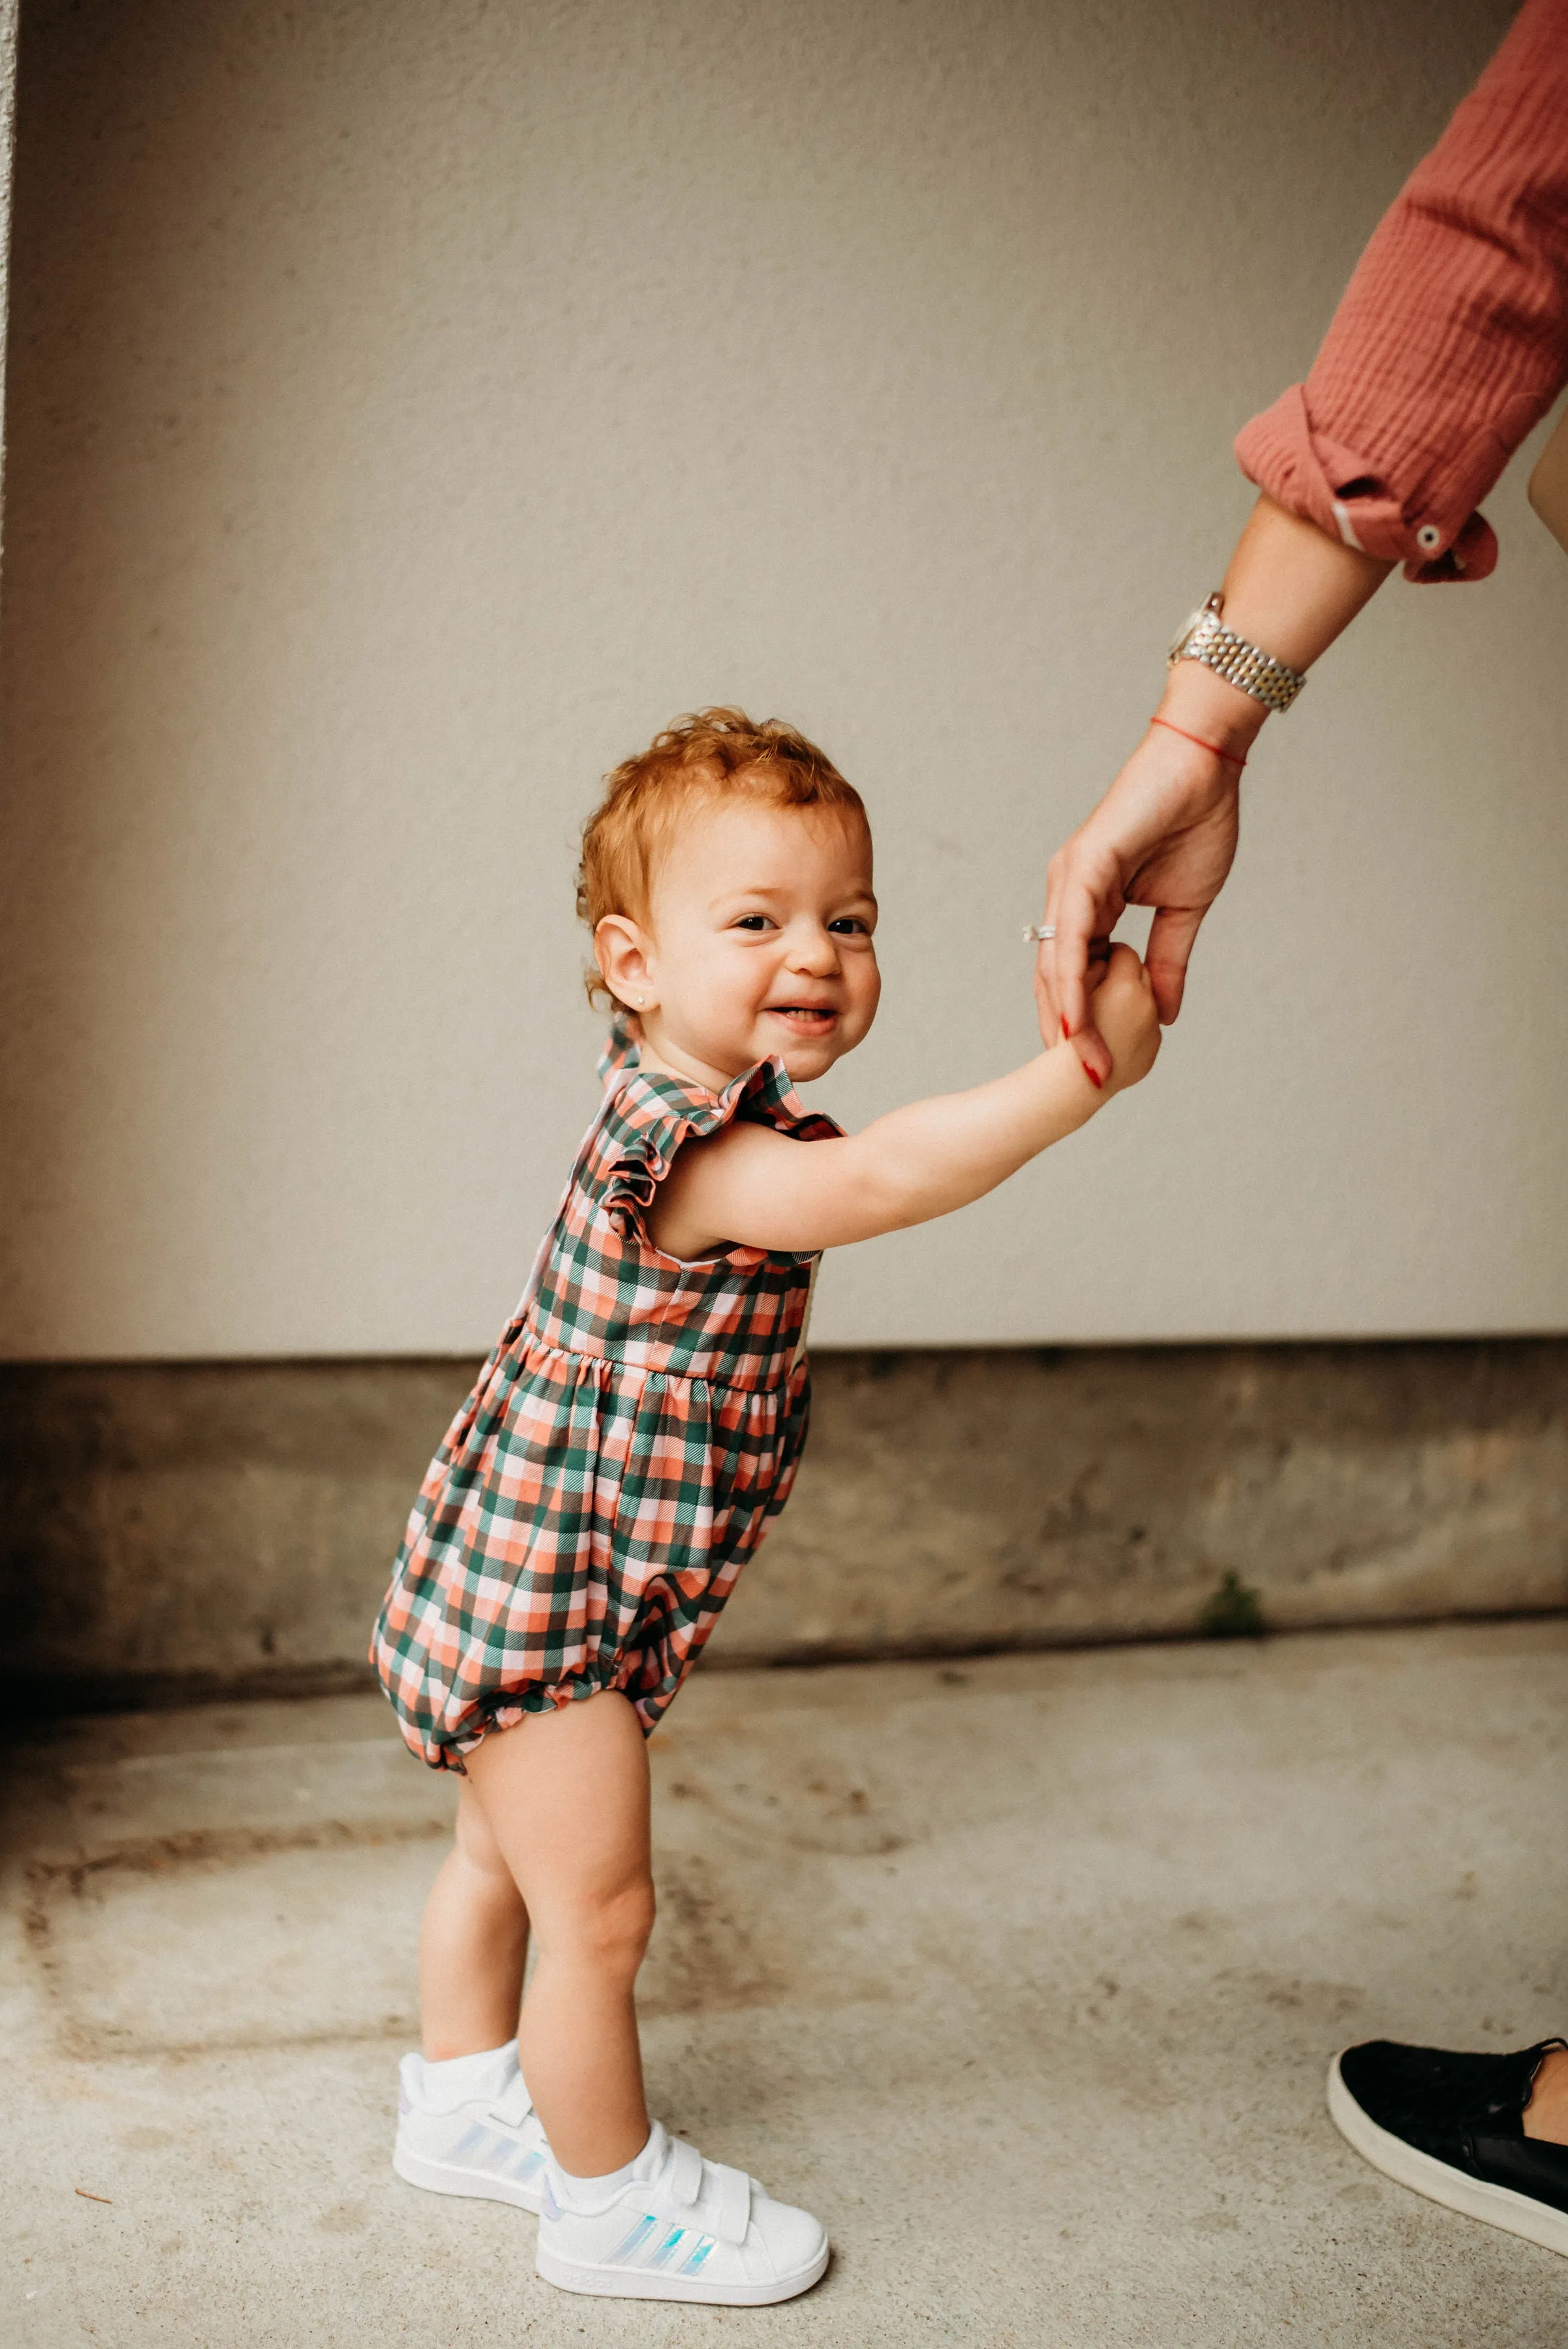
x=1452, y=2126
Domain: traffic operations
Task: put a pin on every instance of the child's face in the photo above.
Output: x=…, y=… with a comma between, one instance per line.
x=758, y=941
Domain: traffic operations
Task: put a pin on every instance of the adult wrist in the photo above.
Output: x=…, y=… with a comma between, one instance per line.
x=1199, y=703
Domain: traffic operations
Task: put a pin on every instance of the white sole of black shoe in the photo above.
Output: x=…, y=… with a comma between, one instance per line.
x=1498, y=2206
x=451, y=2178
x=647, y=2283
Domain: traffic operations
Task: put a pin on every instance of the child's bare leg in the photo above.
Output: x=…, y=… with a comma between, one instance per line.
x=473, y=1943
x=565, y=1795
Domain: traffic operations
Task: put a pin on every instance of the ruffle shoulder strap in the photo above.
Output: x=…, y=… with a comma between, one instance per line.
x=652, y=1115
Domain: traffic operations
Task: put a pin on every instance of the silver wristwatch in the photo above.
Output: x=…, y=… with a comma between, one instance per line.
x=1205, y=638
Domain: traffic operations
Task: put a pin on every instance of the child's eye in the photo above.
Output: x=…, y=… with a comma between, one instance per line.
x=754, y=922
x=850, y=925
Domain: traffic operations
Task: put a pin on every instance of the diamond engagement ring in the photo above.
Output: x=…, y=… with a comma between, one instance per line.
x=1039, y=935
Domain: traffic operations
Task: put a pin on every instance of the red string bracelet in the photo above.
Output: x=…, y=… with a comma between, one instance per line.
x=1228, y=756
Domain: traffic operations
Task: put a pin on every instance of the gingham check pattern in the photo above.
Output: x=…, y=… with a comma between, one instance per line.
x=640, y=1420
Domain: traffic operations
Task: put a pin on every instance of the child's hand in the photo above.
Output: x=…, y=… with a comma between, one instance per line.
x=1126, y=1017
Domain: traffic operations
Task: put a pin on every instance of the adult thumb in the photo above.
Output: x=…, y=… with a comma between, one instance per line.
x=1171, y=936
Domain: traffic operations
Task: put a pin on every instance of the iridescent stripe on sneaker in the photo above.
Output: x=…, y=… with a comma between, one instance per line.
x=486, y=2148
x=664, y=2254
x=635, y=2241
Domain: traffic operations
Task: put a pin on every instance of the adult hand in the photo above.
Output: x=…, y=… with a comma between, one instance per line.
x=1164, y=835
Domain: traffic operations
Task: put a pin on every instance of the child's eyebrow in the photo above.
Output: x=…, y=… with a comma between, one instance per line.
x=859, y=895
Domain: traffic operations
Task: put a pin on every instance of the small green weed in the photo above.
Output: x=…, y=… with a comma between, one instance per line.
x=1234, y=1611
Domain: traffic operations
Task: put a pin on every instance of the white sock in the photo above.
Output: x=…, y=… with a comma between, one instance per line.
x=461, y=2079
x=588, y=2194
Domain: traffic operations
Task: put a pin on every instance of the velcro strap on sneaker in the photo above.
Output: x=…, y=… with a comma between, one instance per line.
x=726, y=2201
x=686, y=2167
x=513, y=2106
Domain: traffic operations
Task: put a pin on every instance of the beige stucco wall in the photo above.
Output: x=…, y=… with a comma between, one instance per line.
x=413, y=405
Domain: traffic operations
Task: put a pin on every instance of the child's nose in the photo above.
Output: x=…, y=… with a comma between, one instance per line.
x=814, y=950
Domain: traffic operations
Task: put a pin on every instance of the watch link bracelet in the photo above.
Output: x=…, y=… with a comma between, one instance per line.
x=1205, y=638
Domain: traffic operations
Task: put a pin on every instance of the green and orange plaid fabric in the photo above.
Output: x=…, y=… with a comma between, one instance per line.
x=615, y=1467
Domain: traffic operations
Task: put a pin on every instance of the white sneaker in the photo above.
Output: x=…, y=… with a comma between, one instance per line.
x=490, y=2145
x=694, y=2230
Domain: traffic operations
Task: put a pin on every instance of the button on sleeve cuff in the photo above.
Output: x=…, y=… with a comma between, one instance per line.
x=1342, y=491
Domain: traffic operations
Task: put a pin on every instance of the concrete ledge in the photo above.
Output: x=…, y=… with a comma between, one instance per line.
x=180, y=1531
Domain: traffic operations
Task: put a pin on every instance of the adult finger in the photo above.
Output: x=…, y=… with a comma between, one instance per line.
x=1047, y=1008
x=1075, y=918
x=1052, y=1025
x=1045, y=959
x=1079, y=953
x=1165, y=957
x=1046, y=997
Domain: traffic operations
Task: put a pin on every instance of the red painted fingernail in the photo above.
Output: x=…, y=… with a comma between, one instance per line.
x=1066, y=1032
x=1095, y=1081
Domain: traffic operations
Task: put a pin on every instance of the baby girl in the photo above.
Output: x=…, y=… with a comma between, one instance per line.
x=636, y=1425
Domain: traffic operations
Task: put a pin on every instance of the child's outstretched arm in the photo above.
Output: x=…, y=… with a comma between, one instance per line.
x=751, y=1186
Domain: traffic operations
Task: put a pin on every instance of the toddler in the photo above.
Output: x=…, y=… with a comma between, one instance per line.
x=639, y=1423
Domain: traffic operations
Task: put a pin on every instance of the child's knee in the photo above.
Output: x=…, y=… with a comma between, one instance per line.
x=474, y=1841
x=611, y=1928
x=623, y=1920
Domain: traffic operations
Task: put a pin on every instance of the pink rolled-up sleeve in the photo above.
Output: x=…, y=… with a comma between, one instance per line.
x=1452, y=339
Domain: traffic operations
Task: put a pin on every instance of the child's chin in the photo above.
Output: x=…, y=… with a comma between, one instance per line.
x=810, y=1059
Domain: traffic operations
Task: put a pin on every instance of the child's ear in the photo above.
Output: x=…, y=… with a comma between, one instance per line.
x=621, y=951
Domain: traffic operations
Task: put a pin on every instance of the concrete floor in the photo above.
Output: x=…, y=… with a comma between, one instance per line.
x=1021, y=1973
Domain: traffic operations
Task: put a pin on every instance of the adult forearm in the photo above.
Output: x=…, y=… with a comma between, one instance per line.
x=1292, y=588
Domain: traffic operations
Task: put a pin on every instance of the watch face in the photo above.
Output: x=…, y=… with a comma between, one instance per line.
x=1186, y=630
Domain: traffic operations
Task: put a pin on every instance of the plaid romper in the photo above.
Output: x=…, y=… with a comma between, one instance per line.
x=638, y=1423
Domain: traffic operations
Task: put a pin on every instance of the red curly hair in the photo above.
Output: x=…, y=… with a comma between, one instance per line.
x=711, y=752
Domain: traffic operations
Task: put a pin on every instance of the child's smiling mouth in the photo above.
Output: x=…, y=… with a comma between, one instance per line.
x=804, y=1018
